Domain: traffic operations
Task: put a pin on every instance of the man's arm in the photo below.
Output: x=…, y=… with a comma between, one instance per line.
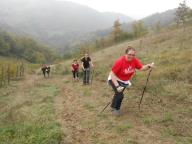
x=91, y=64
x=82, y=66
x=114, y=79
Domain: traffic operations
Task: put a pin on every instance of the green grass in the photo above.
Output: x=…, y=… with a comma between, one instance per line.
x=148, y=120
x=130, y=141
x=167, y=117
x=123, y=127
x=32, y=121
x=87, y=91
x=89, y=107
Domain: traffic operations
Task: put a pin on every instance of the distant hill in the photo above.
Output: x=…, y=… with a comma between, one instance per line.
x=165, y=18
x=58, y=23
x=111, y=16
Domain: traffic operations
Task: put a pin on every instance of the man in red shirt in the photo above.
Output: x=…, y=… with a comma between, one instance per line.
x=121, y=73
x=75, y=70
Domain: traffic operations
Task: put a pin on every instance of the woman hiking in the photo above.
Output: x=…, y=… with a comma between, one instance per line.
x=75, y=70
x=86, y=66
x=120, y=75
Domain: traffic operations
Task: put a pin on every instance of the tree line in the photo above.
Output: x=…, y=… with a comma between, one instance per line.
x=24, y=48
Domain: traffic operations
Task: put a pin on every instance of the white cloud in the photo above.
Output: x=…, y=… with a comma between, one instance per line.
x=133, y=8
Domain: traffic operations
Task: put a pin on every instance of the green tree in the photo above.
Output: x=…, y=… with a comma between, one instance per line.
x=157, y=27
x=116, y=31
x=139, y=29
x=190, y=16
x=24, y=47
x=182, y=14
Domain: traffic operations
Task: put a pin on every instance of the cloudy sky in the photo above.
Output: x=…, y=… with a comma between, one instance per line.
x=133, y=8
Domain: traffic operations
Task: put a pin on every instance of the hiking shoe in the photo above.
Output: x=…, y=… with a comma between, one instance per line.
x=113, y=109
x=116, y=112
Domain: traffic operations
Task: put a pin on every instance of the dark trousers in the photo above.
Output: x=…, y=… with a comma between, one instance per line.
x=44, y=73
x=75, y=74
x=118, y=96
x=86, y=74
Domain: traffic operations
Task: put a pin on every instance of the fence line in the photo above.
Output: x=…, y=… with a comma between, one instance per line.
x=10, y=73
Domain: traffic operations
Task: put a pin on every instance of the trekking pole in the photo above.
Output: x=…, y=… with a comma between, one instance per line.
x=105, y=107
x=92, y=76
x=145, y=88
x=109, y=103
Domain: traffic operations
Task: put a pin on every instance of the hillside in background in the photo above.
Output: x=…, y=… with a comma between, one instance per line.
x=165, y=19
x=65, y=25
x=24, y=48
x=57, y=23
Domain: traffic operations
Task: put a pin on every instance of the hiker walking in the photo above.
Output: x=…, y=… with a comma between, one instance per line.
x=45, y=69
x=75, y=70
x=120, y=75
x=86, y=65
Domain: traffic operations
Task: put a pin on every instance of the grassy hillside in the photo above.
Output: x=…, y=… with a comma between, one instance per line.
x=166, y=109
x=56, y=110
x=167, y=104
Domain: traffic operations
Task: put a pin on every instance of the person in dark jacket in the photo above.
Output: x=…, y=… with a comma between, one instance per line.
x=86, y=66
x=46, y=69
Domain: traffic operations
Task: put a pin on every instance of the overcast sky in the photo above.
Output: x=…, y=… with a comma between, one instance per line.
x=133, y=8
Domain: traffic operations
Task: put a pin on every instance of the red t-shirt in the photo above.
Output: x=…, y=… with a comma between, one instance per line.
x=75, y=67
x=124, y=69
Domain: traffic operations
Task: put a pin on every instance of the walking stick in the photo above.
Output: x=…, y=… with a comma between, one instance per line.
x=105, y=107
x=145, y=88
x=92, y=76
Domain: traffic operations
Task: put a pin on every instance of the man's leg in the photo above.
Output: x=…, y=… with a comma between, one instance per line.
x=73, y=75
x=44, y=73
x=77, y=75
x=88, y=74
x=117, y=98
x=84, y=76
